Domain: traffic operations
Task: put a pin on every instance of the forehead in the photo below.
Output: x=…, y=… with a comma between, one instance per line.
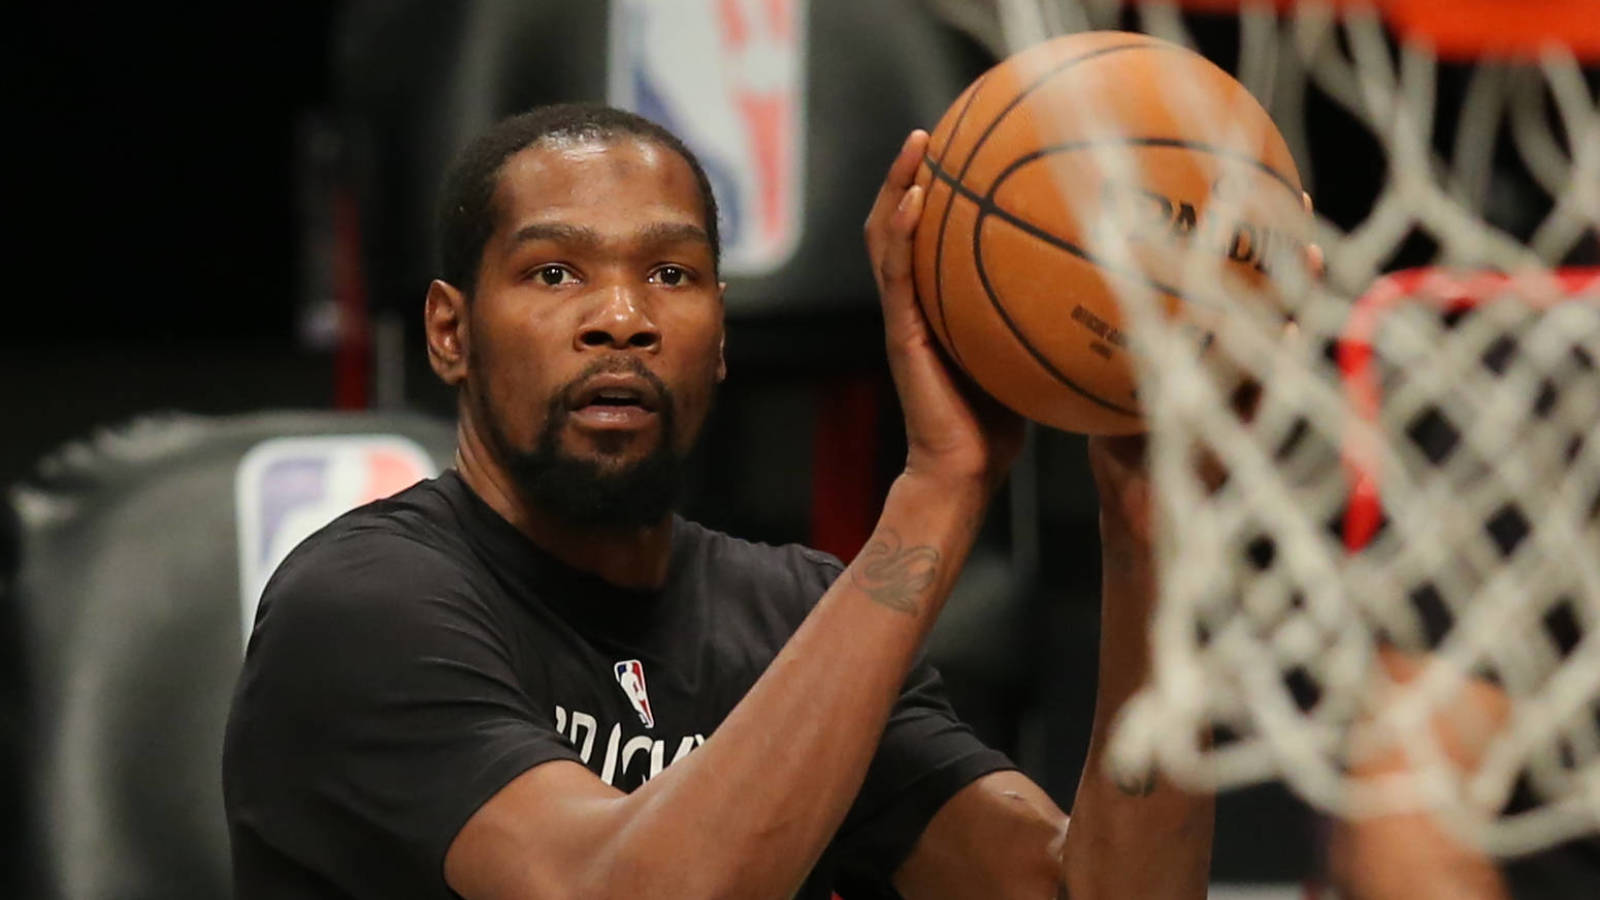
x=598, y=181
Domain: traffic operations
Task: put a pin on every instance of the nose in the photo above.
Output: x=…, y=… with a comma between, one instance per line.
x=619, y=322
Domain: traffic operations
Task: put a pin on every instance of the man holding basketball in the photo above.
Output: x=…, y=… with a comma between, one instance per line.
x=528, y=678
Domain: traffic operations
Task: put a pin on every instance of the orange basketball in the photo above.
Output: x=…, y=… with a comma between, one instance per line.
x=1088, y=165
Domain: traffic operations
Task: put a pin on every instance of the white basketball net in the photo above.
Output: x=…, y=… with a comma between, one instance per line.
x=1474, y=426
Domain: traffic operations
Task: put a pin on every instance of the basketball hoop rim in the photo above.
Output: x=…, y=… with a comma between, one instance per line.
x=1458, y=30
x=1448, y=290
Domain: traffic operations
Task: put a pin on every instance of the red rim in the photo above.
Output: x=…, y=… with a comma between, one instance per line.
x=1465, y=29
x=1447, y=290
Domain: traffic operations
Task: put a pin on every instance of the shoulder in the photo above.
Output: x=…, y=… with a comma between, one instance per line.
x=790, y=577
x=408, y=536
x=363, y=615
x=756, y=560
x=374, y=569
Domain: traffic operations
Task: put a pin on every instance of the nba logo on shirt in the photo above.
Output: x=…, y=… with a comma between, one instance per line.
x=630, y=674
x=728, y=77
x=287, y=488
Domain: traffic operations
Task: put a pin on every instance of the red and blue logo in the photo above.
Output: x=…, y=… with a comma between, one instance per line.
x=630, y=675
x=287, y=488
x=727, y=76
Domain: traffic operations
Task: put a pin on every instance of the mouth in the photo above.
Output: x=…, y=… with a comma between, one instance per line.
x=615, y=400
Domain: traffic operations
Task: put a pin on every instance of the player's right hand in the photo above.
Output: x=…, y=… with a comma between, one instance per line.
x=953, y=430
x=1122, y=479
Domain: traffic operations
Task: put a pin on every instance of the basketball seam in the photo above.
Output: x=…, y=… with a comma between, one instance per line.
x=1040, y=82
x=988, y=207
x=1038, y=356
x=944, y=219
x=983, y=138
x=977, y=87
x=1181, y=143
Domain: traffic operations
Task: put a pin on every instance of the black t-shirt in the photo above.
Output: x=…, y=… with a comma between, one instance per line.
x=419, y=653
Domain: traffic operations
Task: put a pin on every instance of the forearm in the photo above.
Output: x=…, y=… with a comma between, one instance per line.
x=1412, y=855
x=749, y=812
x=1408, y=856
x=1142, y=839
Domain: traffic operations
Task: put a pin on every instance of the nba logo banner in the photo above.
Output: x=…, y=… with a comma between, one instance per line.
x=287, y=488
x=728, y=77
x=630, y=675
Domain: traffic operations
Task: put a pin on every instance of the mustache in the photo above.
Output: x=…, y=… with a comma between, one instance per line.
x=564, y=400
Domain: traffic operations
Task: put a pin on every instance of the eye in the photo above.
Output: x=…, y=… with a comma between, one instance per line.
x=671, y=276
x=554, y=275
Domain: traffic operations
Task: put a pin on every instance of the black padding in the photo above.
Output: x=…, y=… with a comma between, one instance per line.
x=128, y=602
x=419, y=79
x=15, y=856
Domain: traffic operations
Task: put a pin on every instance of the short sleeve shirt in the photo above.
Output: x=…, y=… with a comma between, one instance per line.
x=412, y=658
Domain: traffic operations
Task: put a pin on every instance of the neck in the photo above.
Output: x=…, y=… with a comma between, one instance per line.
x=628, y=557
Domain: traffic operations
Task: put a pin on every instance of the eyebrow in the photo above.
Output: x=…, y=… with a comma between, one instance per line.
x=655, y=233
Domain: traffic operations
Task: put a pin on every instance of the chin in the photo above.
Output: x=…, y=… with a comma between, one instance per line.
x=605, y=491
x=612, y=465
x=612, y=451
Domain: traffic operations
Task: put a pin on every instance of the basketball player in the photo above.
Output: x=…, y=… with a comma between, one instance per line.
x=529, y=678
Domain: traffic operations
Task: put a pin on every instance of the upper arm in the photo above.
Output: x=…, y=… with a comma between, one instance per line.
x=926, y=758
x=377, y=710
x=1000, y=836
x=536, y=837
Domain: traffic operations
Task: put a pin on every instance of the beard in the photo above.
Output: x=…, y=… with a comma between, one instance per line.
x=601, y=492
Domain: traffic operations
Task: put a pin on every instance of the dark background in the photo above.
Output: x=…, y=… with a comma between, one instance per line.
x=155, y=256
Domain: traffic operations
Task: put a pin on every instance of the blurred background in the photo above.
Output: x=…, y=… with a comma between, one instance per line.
x=223, y=241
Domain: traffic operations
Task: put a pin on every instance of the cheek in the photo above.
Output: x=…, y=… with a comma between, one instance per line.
x=519, y=406
x=515, y=387
x=696, y=390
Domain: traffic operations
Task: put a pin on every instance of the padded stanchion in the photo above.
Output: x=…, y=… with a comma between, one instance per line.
x=130, y=602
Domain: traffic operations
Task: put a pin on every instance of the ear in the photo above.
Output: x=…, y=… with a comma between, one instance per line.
x=722, y=338
x=444, y=319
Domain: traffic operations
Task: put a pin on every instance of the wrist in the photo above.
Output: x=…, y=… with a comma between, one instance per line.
x=955, y=483
x=1127, y=519
x=983, y=471
x=1122, y=534
x=943, y=502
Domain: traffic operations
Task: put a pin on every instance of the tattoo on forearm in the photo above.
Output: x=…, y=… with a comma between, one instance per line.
x=895, y=575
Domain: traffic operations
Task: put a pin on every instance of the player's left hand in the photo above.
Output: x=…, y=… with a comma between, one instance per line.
x=1119, y=464
x=953, y=429
x=1123, y=481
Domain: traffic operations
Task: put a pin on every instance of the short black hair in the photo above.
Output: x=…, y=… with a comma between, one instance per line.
x=467, y=209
